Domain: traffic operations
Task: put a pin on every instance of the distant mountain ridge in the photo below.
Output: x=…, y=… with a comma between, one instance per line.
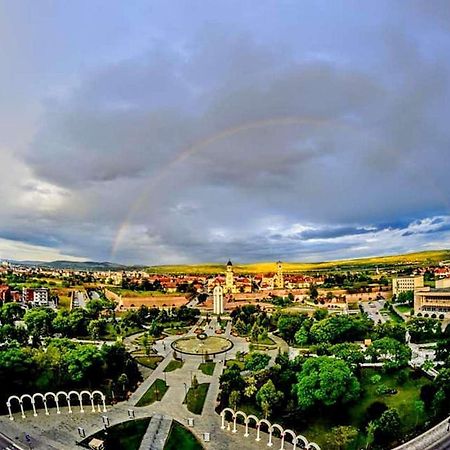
x=73, y=265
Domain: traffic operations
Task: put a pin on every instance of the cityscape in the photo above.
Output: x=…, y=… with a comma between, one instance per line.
x=224, y=225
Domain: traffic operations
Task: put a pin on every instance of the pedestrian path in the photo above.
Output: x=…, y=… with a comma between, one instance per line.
x=157, y=433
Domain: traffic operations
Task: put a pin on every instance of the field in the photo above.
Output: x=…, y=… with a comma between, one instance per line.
x=418, y=258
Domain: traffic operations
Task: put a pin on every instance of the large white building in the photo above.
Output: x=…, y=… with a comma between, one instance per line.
x=405, y=284
x=218, y=299
x=429, y=302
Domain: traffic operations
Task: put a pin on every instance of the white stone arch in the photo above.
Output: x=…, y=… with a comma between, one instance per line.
x=303, y=440
x=78, y=396
x=313, y=445
x=293, y=436
x=55, y=397
x=235, y=416
x=91, y=398
x=247, y=423
x=28, y=396
x=258, y=429
x=8, y=404
x=274, y=427
x=223, y=415
x=102, y=398
x=43, y=398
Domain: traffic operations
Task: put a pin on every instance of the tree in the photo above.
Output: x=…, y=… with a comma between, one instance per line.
x=393, y=353
x=194, y=382
x=406, y=297
x=390, y=329
x=84, y=363
x=340, y=328
x=341, y=436
x=39, y=321
x=10, y=312
x=387, y=426
x=313, y=292
x=95, y=328
x=250, y=387
x=268, y=397
x=241, y=327
x=288, y=325
x=321, y=313
x=235, y=397
x=348, y=352
x=256, y=361
x=122, y=381
x=326, y=381
x=419, y=408
x=422, y=329
x=371, y=427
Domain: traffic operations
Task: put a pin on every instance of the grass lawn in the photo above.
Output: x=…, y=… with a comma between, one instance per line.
x=124, y=436
x=233, y=362
x=405, y=309
x=195, y=398
x=207, y=367
x=151, y=361
x=181, y=438
x=173, y=365
x=177, y=330
x=391, y=315
x=64, y=302
x=154, y=393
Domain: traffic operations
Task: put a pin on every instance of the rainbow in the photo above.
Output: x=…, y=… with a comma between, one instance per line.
x=203, y=144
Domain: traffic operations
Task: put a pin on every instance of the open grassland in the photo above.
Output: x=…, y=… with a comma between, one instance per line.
x=418, y=258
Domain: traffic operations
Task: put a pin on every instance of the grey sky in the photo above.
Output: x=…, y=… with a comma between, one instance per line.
x=299, y=130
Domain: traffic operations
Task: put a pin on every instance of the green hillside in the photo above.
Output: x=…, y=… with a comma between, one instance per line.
x=415, y=259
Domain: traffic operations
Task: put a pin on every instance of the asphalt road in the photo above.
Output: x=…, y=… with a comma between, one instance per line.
x=7, y=444
x=373, y=310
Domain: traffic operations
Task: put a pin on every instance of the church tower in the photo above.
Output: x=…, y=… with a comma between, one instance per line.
x=280, y=277
x=229, y=278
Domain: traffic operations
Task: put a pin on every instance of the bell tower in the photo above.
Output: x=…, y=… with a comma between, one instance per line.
x=229, y=278
x=280, y=277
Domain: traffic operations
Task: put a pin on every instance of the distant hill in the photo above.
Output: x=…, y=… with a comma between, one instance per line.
x=74, y=265
x=415, y=259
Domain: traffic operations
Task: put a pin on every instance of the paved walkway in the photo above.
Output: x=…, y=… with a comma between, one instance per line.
x=157, y=433
x=436, y=438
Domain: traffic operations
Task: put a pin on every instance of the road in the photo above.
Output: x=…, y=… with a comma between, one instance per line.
x=8, y=444
x=373, y=310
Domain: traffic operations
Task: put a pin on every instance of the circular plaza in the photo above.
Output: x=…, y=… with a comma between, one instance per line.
x=200, y=345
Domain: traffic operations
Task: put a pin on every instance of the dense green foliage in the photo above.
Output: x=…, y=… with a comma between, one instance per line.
x=65, y=365
x=327, y=381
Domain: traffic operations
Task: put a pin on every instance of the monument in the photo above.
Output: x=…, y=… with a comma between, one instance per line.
x=218, y=299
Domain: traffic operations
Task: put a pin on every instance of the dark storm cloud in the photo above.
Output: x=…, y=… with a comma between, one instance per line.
x=299, y=141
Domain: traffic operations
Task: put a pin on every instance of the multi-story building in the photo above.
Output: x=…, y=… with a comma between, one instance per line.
x=36, y=296
x=405, y=284
x=428, y=301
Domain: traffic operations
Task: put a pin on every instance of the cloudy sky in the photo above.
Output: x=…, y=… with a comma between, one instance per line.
x=183, y=131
